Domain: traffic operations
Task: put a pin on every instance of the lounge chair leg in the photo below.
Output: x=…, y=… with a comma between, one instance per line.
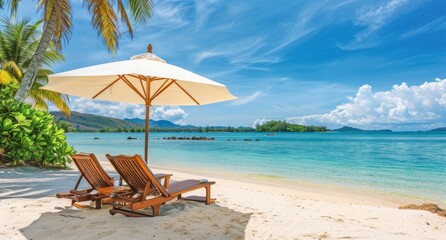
x=179, y=196
x=112, y=212
x=156, y=210
x=208, y=195
x=98, y=203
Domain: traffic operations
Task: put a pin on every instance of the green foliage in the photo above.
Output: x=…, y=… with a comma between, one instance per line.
x=29, y=136
x=7, y=91
x=283, y=126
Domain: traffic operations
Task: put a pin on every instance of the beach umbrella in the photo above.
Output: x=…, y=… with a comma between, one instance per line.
x=144, y=79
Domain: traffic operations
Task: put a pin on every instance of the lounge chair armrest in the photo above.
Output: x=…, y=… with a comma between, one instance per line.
x=160, y=176
x=166, y=177
x=125, y=197
x=81, y=192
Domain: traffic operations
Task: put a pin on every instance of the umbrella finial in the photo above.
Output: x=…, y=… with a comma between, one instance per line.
x=148, y=55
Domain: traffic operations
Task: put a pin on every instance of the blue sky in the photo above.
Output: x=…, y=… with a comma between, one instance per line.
x=329, y=63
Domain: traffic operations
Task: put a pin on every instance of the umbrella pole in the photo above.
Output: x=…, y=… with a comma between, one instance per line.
x=146, y=153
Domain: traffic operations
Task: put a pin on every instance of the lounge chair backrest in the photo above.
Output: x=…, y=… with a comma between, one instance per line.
x=135, y=173
x=93, y=172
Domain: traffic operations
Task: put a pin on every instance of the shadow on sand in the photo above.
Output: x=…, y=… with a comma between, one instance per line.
x=31, y=182
x=178, y=220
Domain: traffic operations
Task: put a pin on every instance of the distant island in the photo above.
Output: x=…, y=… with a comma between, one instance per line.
x=81, y=122
x=352, y=129
x=440, y=129
x=283, y=126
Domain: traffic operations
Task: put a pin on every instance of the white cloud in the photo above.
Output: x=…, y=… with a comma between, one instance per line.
x=435, y=25
x=259, y=122
x=203, y=9
x=373, y=19
x=403, y=108
x=238, y=51
x=123, y=110
x=117, y=110
x=173, y=114
x=168, y=14
x=248, y=99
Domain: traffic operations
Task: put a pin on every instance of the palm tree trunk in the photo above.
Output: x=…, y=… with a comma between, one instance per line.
x=30, y=74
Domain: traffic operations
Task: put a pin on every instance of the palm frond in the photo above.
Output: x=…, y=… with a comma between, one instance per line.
x=141, y=10
x=13, y=68
x=42, y=74
x=104, y=20
x=124, y=17
x=39, y=103
x=52, y=56
x=63, y=15
x=16, y=41
x=40, y=98
x=13, y=6
x=5, y=77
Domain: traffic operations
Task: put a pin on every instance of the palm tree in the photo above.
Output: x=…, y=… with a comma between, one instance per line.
x=58, y=26
x=18, y=42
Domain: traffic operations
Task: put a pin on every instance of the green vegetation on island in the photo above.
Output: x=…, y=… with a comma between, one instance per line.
x=81, y=122
x=283, y=126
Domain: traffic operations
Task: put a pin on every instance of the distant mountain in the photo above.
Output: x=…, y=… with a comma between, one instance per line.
x=352, y=129
x=348, y=129
x=439, y=129
x=93, y=122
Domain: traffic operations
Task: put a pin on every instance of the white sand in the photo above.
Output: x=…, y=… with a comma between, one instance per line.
x=244, y=210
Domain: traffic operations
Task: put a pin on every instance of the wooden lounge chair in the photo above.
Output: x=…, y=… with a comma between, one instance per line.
x=97, y=178
x=148, y=192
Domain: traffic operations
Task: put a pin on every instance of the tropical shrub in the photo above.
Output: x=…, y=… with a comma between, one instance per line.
x=29, y=136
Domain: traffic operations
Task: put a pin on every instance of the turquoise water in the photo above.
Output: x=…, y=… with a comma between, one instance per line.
x=410, y=163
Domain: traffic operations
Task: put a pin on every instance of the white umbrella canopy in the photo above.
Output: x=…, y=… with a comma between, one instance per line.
x=126, y=81
x=145, y=79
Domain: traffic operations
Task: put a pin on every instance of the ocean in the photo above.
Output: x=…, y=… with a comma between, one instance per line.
x=405, y=163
